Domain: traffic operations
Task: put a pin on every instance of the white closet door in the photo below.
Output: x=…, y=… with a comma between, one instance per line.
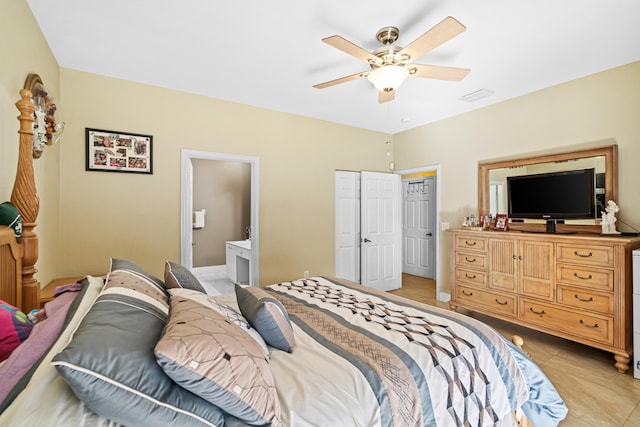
x=381, y=234
x=347, y=245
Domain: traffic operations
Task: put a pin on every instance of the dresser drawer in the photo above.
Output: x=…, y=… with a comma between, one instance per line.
x=578, y=324
x=590, y=255
x=492, y=301
x=586, y=299
x=478, y=278
x=471, y=260
x=471, y=243
x=595, y=278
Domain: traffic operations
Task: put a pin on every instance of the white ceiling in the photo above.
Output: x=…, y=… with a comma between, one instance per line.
x=269, y=53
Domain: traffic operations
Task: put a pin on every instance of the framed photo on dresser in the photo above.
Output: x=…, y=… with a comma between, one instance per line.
x=502, y=222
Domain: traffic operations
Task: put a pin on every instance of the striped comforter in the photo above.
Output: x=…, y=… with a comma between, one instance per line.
x=363, y=358
x=424, y=365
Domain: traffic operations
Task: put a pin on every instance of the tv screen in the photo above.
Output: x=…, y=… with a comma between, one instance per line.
x=554, y=195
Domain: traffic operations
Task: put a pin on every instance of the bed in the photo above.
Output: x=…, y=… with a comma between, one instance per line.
x=132, y=349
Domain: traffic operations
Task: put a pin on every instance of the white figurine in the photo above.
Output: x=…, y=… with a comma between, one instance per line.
x=609, y=218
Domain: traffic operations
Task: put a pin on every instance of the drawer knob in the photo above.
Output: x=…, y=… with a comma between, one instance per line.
x=594, y=326
x=467, y=293
x=468, y=243
x=590, y=254
x=540, y=313
x=502, y=303
x=589, y=277
x=584, y=300
x=470, y=276
x=469, y=259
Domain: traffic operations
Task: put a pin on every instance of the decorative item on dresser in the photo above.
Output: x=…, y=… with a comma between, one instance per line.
x=575, y=286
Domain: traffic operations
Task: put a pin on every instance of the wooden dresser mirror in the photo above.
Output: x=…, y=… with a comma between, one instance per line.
x=492, y=190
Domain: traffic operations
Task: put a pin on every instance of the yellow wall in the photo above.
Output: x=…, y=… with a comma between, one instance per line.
x=23, y=50
x=596, y=110
x=137, y=217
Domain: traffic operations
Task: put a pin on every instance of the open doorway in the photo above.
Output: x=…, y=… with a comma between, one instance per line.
x=219, y=218
x=421, y=240
x=418, y=225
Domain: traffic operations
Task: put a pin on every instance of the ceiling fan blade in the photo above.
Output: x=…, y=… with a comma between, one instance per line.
x=352, y=49
x=445, y=30
x=341, y=80
x=438, y=72
x=384, y=96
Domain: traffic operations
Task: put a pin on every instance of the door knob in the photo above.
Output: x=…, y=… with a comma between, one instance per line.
x=366, y=240
x=429, y=234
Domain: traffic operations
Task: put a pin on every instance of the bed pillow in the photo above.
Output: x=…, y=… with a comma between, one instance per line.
x=15, y=327
x=178, y=276
x=110, y=364
x=118, y=264
x=267, y=315
x=225, y=310
x=204, y=352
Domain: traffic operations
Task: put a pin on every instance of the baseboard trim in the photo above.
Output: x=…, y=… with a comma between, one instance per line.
x=444, y=296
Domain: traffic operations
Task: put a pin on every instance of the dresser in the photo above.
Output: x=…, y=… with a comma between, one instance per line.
x=574, y=286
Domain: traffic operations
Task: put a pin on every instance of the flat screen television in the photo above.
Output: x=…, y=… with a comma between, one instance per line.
x=553, y=195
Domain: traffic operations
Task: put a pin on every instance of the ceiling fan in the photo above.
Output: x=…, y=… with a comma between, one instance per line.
x=391, y=64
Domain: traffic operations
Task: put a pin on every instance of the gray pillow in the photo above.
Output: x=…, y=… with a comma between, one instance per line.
x=267, y=315
x=110, y=365
x=178, y=276
x=202, y=351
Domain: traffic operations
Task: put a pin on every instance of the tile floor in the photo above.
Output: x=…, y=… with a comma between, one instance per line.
x=216, y=282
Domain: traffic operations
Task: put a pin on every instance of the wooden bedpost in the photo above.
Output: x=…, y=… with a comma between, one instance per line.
x=25, y=198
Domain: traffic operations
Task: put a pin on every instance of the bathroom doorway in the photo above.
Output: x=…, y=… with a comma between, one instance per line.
x=219, y=205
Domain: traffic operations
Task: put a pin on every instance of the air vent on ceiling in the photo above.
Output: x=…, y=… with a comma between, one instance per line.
x=477, y=95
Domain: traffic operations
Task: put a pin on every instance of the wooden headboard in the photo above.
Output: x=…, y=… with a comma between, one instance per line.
x=18, y=258
x=10, y=267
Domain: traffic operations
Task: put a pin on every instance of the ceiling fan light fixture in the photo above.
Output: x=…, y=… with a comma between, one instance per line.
x=388, y=78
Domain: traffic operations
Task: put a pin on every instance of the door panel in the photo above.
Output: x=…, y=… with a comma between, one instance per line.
x=381, y=239
x=418, y=227
x=372, y=256
x=348, y=225
x=503, y=258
